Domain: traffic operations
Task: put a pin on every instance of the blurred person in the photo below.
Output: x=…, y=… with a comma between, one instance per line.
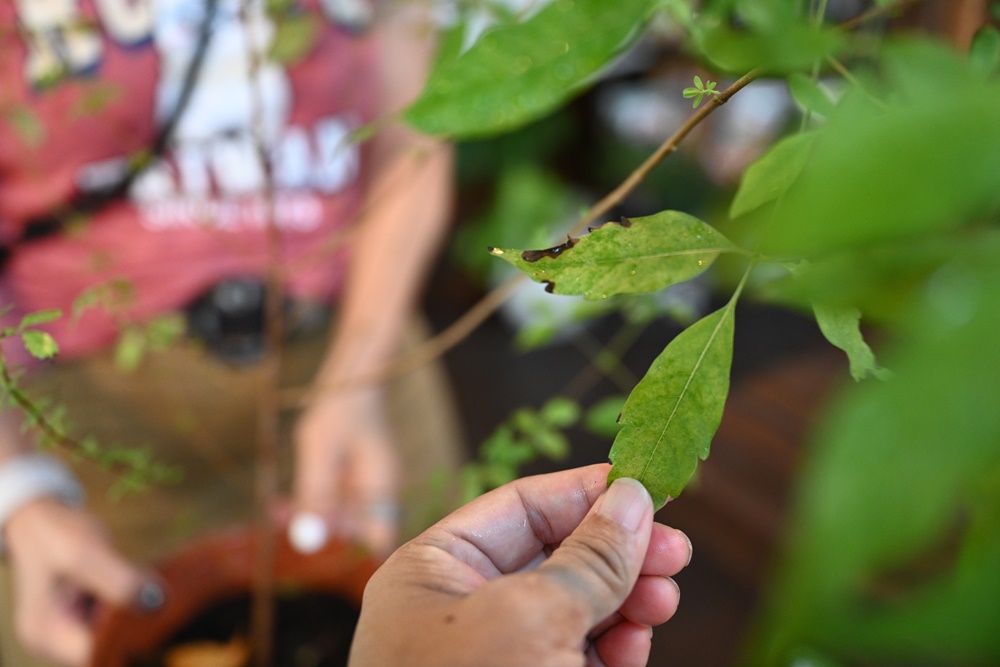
x=186, y=90
x=556, y=569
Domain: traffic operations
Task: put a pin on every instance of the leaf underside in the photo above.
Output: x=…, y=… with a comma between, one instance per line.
x=672, y=414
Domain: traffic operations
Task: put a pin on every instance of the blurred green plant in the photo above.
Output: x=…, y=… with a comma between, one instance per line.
x=134, y=466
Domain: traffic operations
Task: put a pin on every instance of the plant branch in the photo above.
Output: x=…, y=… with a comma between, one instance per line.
x=482, y=309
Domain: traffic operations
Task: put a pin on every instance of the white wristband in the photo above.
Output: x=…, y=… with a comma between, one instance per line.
x=29, y=477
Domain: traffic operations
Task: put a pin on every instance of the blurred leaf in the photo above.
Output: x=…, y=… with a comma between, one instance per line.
x=39, y=317
x=772, y=36
x=518, y=72
x=560, y=412
x=602, y=418
x=984, y=52
x=96, y=97
x=770, y=176
x=130, y=349
x=294, y=39
x=39, y=344
x=842, y=327
x=551, y=444
x=869, y=179
x=631, y=256
x=895, y=466
x=810, y=94
x=164, y=331
x=26, y=124
x=672, y=414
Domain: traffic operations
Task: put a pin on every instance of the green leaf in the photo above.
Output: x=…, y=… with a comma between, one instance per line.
x=984, y=52
x=39, y=344
x=868, y=179
x=516, y=73
x=774, y=37
x=296, y=36
x=40, y=317
x=602, y=418
x=26, y=125
x=560, y=412
x=842, y=327
x=899, y=471
x=130, y=349
x=632, y=256
x=672, y=414
x=770, y=176
x=809, y=94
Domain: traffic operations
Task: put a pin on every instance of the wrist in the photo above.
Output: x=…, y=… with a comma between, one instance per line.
x=29, y=477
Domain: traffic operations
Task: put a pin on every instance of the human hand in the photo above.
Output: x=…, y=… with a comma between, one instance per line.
x=63, y=564
x=346, y=474
x=547, y=570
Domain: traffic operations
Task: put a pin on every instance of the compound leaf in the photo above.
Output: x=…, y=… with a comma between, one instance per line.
x=672, y=414
x=628, y=257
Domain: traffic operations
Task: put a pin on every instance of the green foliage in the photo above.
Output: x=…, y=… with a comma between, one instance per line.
x=136, y=467
x=770, y=176
x=519, y=71
x=901, y=470
x=809, y=94
x=869, y=179
x=672, y=414
x=295, y=37
x=984, y=53
x=40, y=344
x=887, y=209
x=842, y=327
x=627, y=257
x=772, y=35
x=602, y=418
x=700, y=90
x=525, y=437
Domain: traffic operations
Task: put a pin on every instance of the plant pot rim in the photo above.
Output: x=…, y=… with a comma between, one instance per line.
x=220, y=566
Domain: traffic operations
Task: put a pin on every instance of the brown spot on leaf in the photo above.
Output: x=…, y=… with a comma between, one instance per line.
x=625, y=222
x=553, y=252
x=550, y=286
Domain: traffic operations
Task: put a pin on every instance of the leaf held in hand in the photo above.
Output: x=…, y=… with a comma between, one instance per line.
x=672, y=414
x=628, y=257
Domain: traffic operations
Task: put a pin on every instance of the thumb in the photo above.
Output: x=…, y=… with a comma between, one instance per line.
x=599, y=563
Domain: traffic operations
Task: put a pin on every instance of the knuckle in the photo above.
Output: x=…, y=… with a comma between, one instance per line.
x=600, y=554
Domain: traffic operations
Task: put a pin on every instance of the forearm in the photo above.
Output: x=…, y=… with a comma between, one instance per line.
x=398, y=239
x=404, y=217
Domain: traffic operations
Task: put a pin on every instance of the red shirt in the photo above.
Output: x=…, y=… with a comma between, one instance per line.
x=84, y=93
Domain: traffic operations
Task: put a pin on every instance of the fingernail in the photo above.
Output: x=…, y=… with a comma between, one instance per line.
x=690, y=546
x=150, y=597
x=671, y=580
x=308, y=533
x=625, y=503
